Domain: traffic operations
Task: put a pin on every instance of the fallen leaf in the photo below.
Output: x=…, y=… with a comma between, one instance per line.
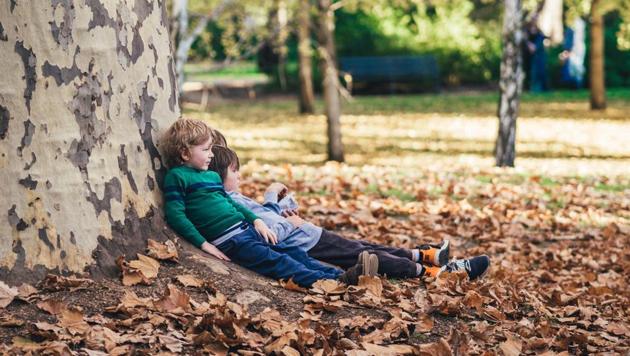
x=290, y=285
x=146, y=265
x=424, y=323
x=53, y=282
x=10, y=321
x=188, y=280
x=174, y=301
x=438, y=348
x=162, y=251
x=512, y=346
x=52, y=306
x=6, y=294
x=372, y=284
x=328, y=286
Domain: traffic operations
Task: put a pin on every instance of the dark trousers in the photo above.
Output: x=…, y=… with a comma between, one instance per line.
x=250, y=250
x=337, y=250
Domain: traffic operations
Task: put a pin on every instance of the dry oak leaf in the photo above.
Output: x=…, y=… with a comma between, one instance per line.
x=290, y=285
x=289, y=351
x=52, y=306
x=279, y=343
x=10, y=321
x=174, y=301
x=72, y=320
x=46, y=348
x=328, y=287
x=142, y=270
x=424, y=324
x=438, y=348
x=26, y=291
x=188, y=280
x=55, y=282
x=372, y=284
x=388, y=350
x=162, y=251
x=6, y=294
x=512, y=346
x=146, y=265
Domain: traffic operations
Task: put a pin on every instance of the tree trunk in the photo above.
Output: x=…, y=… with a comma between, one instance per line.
x=510, y=84
x=330, y=82
x=598, y=85
x=306, y=97
x=84, y=90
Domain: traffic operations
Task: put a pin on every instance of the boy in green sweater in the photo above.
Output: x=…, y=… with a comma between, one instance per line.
x=198, y=208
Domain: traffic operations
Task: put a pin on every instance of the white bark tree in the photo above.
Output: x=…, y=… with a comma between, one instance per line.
x=330, y=81
x=510, y=84
x=84, y=89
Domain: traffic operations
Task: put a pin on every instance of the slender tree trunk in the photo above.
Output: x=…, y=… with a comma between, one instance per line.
x=510, y=84
x=330, y=82
x=83, y=92
x=306, y=97
x=598, y=85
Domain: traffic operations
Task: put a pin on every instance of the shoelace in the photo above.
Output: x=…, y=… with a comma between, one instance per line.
x=458, y=265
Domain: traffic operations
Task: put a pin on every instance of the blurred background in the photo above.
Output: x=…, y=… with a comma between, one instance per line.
x=412, y=83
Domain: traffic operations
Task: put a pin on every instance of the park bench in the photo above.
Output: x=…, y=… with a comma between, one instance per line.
x=390, y=73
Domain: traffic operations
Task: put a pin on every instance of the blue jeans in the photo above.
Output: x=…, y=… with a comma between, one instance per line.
x=250, y=250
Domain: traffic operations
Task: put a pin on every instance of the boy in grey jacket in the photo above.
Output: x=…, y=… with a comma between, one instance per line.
x=279, y=213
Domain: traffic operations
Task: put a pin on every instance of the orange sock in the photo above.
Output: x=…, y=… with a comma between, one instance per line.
x=430, y=271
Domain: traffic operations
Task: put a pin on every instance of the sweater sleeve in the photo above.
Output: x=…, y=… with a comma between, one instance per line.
x=175, y=210
x=249, y=216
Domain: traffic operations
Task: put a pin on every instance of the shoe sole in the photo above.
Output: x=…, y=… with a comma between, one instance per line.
x=372, y=270
x=444, y=253
x=363, y=256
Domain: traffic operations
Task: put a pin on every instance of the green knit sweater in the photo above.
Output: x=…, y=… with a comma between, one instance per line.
x=197, y=207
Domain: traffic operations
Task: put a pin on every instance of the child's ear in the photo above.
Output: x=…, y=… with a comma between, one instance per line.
x=185, y=155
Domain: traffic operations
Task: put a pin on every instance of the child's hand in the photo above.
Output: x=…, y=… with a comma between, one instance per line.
x=296, y=220
x=211, y=249
x=289, y=212
x=265, y=232
x=280, y=189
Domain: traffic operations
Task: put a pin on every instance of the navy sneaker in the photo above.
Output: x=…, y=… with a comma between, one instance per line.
x=475, y=267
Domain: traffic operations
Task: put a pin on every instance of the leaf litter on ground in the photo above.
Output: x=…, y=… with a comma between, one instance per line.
x=558, y=282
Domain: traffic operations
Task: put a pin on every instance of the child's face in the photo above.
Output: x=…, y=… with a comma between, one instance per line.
x=232, y=179
x=199, y=156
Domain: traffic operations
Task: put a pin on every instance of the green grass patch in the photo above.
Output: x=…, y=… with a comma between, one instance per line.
x=484, y=179
x=548, y=182
x=615, y=188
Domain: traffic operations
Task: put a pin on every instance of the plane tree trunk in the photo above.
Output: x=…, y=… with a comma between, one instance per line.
x=330, y=81
x=85, y=87
x=510, y=84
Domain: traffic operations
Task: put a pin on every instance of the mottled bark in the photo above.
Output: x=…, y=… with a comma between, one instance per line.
x=85, y=87
x=510, y=84
x=596, y=77
x=306, y=96
x=330, y=80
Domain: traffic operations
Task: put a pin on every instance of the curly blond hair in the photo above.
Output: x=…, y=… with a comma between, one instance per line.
x=181, y=136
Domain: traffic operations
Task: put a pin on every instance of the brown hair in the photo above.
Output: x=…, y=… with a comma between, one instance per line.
x=180, y=136
x=218, y=139
x=223, y=159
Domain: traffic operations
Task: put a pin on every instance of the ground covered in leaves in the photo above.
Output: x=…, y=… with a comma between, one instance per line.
x=558, y=281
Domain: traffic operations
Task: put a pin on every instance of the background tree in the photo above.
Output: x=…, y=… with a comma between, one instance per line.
x=510, y=83
x=83, y=93
x=306, y=98
x=596, y=10
x=330, y=78
x=596, y=57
